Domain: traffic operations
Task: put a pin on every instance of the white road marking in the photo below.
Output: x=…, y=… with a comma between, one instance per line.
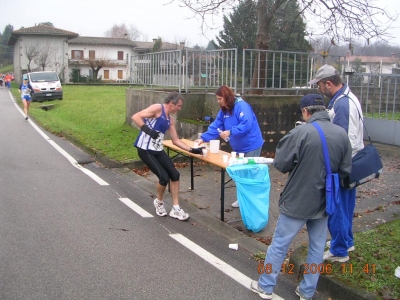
x=216, y=262
x=136, y=208
x=61, y=150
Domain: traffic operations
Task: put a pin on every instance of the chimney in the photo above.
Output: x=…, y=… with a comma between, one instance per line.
x=155, y=40
x=347, y=53
x=392, y=55
x=126, y=35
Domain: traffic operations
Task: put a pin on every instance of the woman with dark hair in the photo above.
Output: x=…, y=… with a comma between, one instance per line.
x=236, y=121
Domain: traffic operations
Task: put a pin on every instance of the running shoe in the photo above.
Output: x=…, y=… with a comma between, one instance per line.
x=178, y=214
x=330, y=257
x=160, y=209
x=256, y=289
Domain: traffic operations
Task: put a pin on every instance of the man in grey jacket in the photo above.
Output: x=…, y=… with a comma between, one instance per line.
x=303, y=201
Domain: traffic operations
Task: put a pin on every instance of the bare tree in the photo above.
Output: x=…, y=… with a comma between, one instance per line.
x=339, y=20
x=96, y=64
x=122, y=31
x=43, y=59
x=32, y=50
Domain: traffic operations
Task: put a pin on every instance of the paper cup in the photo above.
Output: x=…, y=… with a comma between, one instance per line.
x=214, y=146
x=225, y=158
x=233, y=246
x=233, y=154
x=195, y=144
x=205, y=150
x=241, y=154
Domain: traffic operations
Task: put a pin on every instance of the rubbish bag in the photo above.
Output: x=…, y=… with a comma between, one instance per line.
x=253, y=188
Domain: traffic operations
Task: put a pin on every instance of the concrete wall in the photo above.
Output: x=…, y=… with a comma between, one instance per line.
x=276, y=114
x=382, y=131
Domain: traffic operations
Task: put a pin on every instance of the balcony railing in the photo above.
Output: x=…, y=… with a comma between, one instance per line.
x=84, y=61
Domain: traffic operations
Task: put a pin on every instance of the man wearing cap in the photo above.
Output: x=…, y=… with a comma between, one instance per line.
x=344, y=109
x=302, y=201
x=25, y=90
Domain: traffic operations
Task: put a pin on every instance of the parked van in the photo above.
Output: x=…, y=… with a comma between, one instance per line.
x=46, y=85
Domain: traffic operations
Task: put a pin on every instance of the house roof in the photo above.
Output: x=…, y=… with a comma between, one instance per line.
x=39, y=30
x=374, y=59
x=89, y=40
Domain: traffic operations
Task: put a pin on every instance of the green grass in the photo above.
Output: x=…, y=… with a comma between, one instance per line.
x=389, y=116
x=372, y=265
x=7, y=69
x=93, y=115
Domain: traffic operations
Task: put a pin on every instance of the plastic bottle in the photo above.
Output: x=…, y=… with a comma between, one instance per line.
x=250, y=161
x=225, y=139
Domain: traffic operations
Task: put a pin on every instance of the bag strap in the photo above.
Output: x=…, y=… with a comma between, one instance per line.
x=359, y=114
x=324, y=148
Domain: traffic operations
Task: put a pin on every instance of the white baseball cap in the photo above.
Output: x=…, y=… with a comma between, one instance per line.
x=324, y=72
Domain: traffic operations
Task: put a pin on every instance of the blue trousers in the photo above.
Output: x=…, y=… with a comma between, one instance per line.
x=340, y=224
x=286, y=229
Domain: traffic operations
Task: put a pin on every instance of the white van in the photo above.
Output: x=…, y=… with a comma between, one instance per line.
x=46, y=85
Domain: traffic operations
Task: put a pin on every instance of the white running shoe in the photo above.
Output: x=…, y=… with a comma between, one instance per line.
x=352, y=248
x=178, y=214
x=235, y=204
x=160, y=209
x=256, y=289
x=297, y=291
x=329, y=256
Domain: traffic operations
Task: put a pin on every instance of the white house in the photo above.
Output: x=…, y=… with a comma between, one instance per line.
x=112, y=54
x=40, y=47
x=372, y=64
x=44, y=47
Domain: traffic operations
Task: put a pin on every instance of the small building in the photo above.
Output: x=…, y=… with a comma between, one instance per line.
x=371, y=64
x=41, y=47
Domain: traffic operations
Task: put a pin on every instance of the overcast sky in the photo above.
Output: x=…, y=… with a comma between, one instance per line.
x=153, y=18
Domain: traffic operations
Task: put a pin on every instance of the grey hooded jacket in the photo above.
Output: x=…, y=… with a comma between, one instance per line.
x=300, y=153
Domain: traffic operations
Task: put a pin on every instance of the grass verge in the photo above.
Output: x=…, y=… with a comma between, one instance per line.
x=93, y=115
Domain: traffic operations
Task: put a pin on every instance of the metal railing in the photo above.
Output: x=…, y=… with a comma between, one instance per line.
x=267, y=69
x=185, y=69
x=379, y=94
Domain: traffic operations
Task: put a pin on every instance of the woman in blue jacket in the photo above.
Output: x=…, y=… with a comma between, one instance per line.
x=237, y=122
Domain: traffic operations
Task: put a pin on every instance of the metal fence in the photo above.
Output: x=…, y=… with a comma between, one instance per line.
x=261, y=70
x=379, y=94
x=266, y=69
x=185, y=69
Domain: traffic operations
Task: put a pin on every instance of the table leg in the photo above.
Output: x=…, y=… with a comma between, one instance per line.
x=222, y=193
x=191, y=174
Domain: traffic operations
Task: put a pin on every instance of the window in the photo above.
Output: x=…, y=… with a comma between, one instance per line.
x=92, y=54
x=120, y=55
x=77, y=54
x=120, y=74
x=106, y=74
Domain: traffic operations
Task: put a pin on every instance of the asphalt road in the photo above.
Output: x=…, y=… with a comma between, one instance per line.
x=67, y=234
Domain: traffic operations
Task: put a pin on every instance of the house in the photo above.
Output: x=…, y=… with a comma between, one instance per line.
x=371, y=64
x=40, y=47
x=44, y=47
x=109, y=56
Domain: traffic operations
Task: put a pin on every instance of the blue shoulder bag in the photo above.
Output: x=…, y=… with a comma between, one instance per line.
x=332, y=180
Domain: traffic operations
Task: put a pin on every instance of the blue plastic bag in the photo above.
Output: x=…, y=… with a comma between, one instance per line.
x=253, y=188
x=332, y=182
